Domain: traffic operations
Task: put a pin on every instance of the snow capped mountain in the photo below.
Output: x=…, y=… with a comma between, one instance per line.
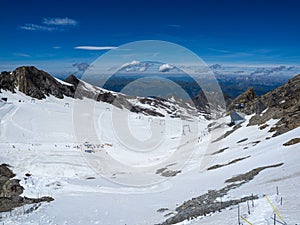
x=255, y=70
x=39, y=84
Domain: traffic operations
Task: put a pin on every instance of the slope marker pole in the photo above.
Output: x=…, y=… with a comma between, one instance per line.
x=276, y=211
x=239, y=221
x=247, y=221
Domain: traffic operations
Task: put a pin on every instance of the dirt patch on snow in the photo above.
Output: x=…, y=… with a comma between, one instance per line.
x=251, y=174
x=220, y=151
x=292, y=142
x=226, y=164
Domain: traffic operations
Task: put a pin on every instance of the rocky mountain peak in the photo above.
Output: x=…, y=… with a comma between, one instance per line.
x=27, y=70
x=33, y=82
x=282, y=103
x=72, y=79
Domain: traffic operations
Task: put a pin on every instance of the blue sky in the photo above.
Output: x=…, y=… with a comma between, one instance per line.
x=50, y=34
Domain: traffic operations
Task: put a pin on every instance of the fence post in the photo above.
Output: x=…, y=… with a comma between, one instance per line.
x=277, y=191
x=239, y=221
x=248, y=208
x=252, y=200
x=274, y=218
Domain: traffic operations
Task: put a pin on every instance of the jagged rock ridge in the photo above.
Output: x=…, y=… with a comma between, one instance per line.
x=282, y=103
x=35, y=83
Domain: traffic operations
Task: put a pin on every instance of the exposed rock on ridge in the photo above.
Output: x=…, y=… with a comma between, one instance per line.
x=282, y=103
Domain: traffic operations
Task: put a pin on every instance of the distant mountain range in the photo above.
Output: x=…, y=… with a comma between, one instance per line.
x=231, y=84
x=233, y=79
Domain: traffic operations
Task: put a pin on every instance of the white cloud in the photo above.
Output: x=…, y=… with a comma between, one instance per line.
x=50, y=24
x=95, y=48
x=165, y=68
x=34, y=27
x=60, y=21
x=133, y=63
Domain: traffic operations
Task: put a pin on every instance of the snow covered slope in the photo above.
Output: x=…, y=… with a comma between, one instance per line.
x=38, y=137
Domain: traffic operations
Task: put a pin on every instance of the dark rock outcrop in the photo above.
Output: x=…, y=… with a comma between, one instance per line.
x=10, y=191
x=72, y=80
x=211, y=103
x=243, y=98
x=282, y=103
x=201, y=101
x=292, y=142
x=35, y=83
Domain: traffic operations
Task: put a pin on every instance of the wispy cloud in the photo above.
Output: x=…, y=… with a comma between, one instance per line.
x=228, y=53
x=35, y=27
x=219, y=50
x=262, y=51
x=18, y=54
x=95, y=48
x=56, y=47
x=60, y=21
x=174, y=25
x=51, y=24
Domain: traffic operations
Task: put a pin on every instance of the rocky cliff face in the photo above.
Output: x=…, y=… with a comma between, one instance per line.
x=35, y=83
x=72, y=80
x=243, y=99
x=211, y=102
x=282, y=103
